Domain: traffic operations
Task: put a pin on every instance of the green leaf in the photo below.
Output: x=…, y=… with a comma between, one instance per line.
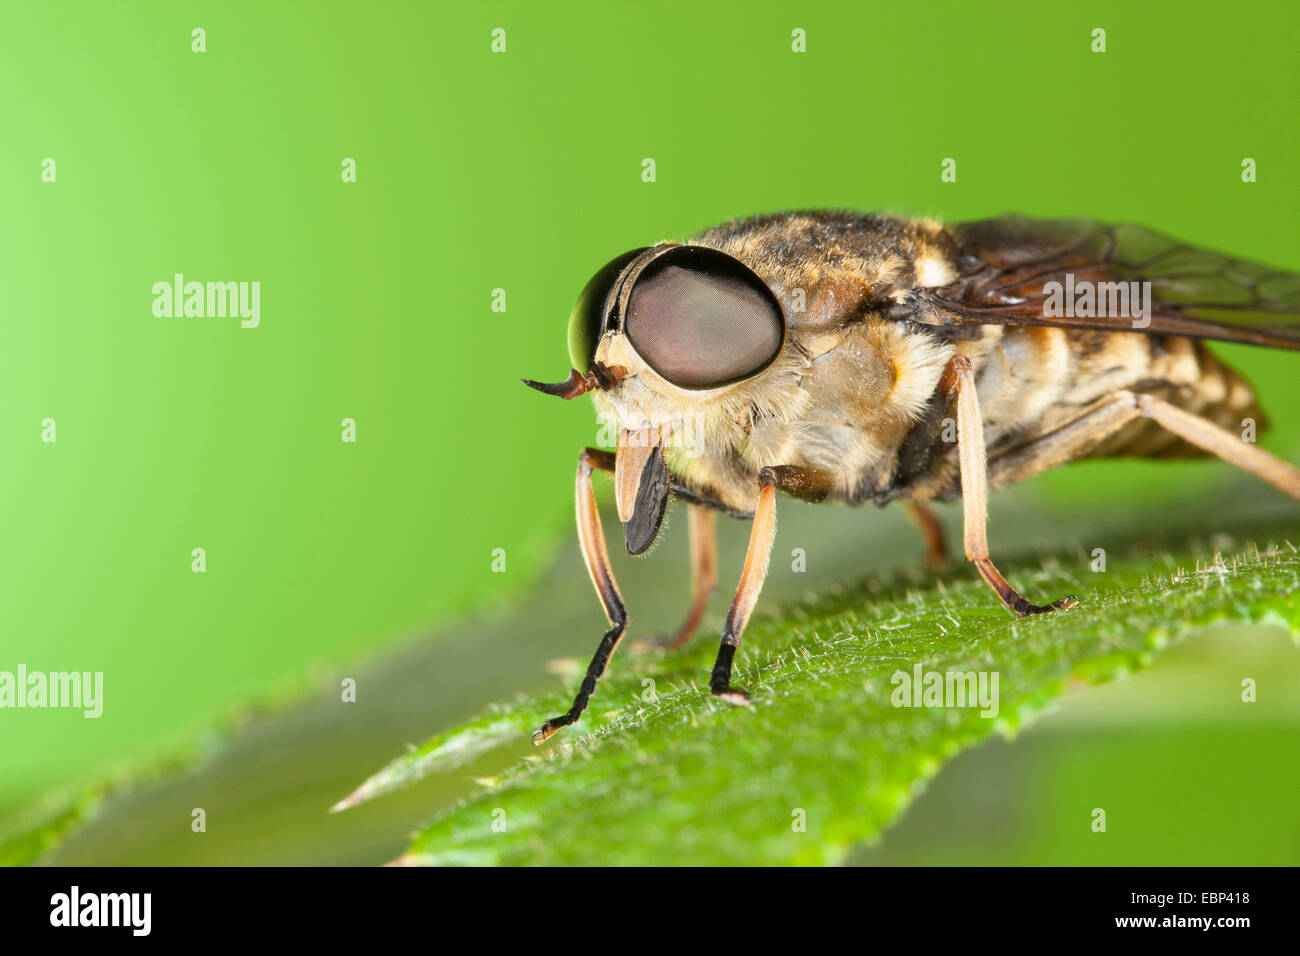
x=42, y=826
x=660, y=772
x=446, y=751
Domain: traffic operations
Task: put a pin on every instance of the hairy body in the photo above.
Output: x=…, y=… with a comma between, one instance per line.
x=833, y=356
x=853, y=387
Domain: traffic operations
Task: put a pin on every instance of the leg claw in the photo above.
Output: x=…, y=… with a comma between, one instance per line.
x=1067, y=603
x=549, y=729
x=733, y=695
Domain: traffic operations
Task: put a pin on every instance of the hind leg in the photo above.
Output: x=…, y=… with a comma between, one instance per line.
x=1077, y=438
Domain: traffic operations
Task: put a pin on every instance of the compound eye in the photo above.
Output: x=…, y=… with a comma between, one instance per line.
x=702, y=319
x=587, y=321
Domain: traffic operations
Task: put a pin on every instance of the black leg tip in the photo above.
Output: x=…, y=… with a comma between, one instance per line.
x=1023, y=608
x=548, y=729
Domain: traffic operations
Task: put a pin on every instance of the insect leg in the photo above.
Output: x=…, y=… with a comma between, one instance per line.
x=761, y=536
x=1104, y=419
x=975, y=493
x=592, y=539
x=1205, y=434
x=704, y=568
x=1067, y=443
x=931, y=528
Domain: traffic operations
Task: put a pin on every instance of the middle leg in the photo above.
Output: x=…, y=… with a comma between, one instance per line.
x=702, y=528
x=702, y=531
x=931, y=528
x=975, y=494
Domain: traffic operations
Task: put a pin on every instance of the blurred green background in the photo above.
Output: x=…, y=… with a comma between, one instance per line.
x=477, y=171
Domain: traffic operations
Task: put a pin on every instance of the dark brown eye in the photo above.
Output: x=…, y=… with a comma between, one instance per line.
x=586, y=322
x=702, y=319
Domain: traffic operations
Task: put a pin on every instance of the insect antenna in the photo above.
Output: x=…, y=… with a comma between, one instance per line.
x=577, y=383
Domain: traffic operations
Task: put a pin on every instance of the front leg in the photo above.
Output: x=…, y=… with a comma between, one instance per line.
x=703, y=547
x=806, y=483
x=591, y=537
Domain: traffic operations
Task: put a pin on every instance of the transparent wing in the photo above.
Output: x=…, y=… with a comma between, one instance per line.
x=1016, y=271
